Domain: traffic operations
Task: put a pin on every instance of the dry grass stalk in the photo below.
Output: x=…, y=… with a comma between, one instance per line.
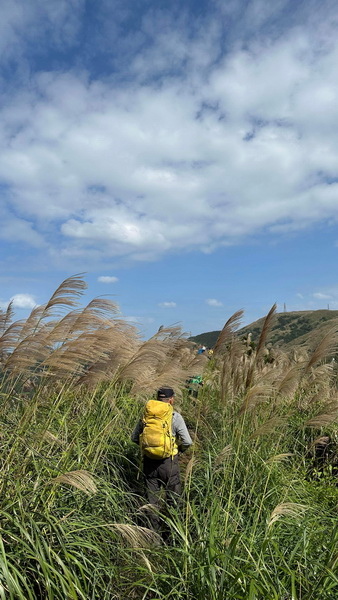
x=150, y=356
x=323, y=419
x=259, y=392
x=321, y=374
x=6, y=317
x=49, y=437
x=268, y=322
x=224, y=455
x=104, y=308
x=289, y=382
x=81, y=336
x=331, y=404
x=269, y=426
x=28, y=353
x=227, y=332
x=289, y=509
x=31, y=325
x=147, y=508
x=278, y=458
x=67, y=293
x=122, y=345
x=165, y=359
x=137, y=536
x=82, y=480
x=316, y=384
x=189, y=468
x=212, y=379
x=74, y=356
x=321, y=440
x=9, y=338
x=326, y=347
x=91, y=344
x=173, y=372
x=234, y=365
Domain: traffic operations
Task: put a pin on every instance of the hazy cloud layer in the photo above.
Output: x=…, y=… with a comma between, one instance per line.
x=321, y=296
x=194, y=139
x=167, y=304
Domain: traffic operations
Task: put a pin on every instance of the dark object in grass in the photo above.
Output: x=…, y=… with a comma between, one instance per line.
x=324, y=459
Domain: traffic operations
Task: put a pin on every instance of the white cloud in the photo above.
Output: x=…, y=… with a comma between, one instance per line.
x=20, y=301
x=321, y=296
x=99, y=169
x=213, y=302
x=107, y=279
x=167, y=304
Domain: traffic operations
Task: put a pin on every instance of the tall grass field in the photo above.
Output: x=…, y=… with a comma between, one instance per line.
x=258, y=515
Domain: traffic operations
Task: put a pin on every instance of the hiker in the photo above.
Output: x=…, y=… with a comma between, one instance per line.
x=194, y=384
x=201, y=350
x=162, y=435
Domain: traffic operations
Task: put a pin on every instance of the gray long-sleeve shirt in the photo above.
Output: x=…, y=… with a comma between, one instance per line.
x=179, y=430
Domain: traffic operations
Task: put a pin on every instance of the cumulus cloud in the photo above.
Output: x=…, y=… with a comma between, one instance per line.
x=213, y=302
x=107, y=279
x=20, y=301
x=106, y=168
x=167, y=304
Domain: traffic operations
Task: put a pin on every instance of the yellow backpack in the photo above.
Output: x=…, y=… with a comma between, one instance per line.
x=157, y=440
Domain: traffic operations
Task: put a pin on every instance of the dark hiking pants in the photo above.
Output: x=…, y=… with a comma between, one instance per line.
x=162, y=474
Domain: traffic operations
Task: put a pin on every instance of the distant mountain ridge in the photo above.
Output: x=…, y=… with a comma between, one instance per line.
x=289, y=328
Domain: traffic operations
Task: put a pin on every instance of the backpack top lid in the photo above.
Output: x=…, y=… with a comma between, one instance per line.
x=157, y=409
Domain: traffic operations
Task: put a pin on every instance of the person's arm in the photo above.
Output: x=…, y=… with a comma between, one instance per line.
x=135, y=436
x=181, y=432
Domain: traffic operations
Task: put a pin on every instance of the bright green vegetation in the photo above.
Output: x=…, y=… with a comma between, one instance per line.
x=290, y=329
x=258, y=519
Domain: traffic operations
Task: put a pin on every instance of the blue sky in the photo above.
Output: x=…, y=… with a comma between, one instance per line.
x=184, y=155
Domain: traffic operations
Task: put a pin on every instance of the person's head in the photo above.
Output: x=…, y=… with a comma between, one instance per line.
x=166, y=394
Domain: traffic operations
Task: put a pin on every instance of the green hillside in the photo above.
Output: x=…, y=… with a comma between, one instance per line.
x=289, y=328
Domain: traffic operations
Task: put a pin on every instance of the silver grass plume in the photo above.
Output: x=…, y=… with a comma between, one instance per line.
x=256, y=394
x=81, y=479
x=269, y=426
x=67, y=293
x=137, y=536
x=268, y=321
x=289, y=382
x=287, y=509
x=323, y=419
x=326, y=347
x=277, y=458
x=6, y=317
x=227, y=332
